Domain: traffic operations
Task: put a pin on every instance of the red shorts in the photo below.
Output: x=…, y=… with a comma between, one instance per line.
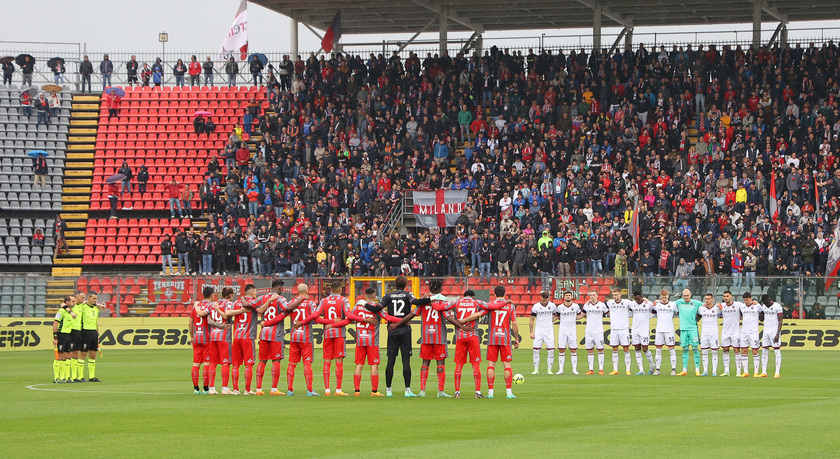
x=494, y=351
x=371, y=352
x=298, y=350
x=433, y=351
x=201, y=353
x=334, y=348
x=219, y=352
x=467, y=346
x=271, y=350
x=243, y=352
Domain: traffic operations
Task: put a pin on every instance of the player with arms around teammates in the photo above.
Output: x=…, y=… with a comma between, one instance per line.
x=665, y=310
x=619, y=329
x=594, y=332
x=640, y=310
x=731, y=331
x=542, y=315
x=709, y=314
x=568, y=313
x=772, y=334
x=467, y=343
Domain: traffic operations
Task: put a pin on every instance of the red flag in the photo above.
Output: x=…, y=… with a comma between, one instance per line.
x=634, y=226
x=774, y=206
x=333, y=33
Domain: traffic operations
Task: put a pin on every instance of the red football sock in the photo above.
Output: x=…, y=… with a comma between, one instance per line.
x=491, y=377
x=508, y=377
x=339, y=375
x=477, y=376
x=424, y=375
x=307, y=374
x=195, y=376
x=327, y=374
x=249, y=375
x=211, y=376
x=225, y=375
x=290, y=376
x=374, y=383
x=205, y=376
x=236, y=377
x=441, y=372
x=260, y=374
x=275, y=373
x=458, y=368
x=357, y=381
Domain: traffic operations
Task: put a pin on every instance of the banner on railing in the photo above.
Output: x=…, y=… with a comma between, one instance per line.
x=170, y=290
x=440, y=208
x=173, y=333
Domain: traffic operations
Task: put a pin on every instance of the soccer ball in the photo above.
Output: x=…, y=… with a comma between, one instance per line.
x=518, y=379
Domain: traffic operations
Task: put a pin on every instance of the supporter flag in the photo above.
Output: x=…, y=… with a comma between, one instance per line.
x=774, y=206
x=634, y=225
x=832, y=266
x=333, y=33
x=237, y=37
x=817, y=194
x=439, y=209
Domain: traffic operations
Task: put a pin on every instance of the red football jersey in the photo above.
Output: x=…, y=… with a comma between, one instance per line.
x=334, y=309
x=245, y=324
x=201, y=332
x=500, y=320
x=303, y=334
x=274, y=332
x=431, y=320
x=464, y=308
x=366, y=334
x=220, y=334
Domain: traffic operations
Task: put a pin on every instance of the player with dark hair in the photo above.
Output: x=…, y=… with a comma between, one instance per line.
x=272, y=336
x=467, y=343
x=300, y=341
x=200, y=337
x=433, y=344
x=398, y=304
x=244, y=314
x=61, y=337
x=772, y=333
x=335, y=307
x=90, y=334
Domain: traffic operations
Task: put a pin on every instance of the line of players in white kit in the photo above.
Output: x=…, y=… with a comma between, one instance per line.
x=740, y=331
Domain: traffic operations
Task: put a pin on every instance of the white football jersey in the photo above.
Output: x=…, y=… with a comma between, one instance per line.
x=709, y=318
x=568, y=316
x=731, y=318
x=595, y=317
x=665, y=313
x=750, y=316
x=619, y=314
x=771, y=319
x=641, y=317
x=544, y=316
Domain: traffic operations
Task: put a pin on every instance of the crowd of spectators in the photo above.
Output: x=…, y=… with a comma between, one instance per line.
x=557, y=147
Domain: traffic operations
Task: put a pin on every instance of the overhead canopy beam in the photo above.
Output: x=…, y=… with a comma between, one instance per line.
x=606, y=11
x=617, y=41
x=454, y=17
x=772, y=11
x=414, y=37
x=776, y=34
x=469, y=42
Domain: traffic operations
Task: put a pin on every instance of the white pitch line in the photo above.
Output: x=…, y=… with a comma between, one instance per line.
x=35, y=387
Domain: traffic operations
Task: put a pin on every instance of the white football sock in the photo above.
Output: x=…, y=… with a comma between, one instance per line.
x=739, y=359
x=590, y=359
x=725, y=361
x=550, y=359
x=639, y=360
x=561, y=360
x=778, y=354
x=705, y=353
x=673, y=358
x=615, y=359
x=601, y=361
x=649, y=357
x=658, y=358
x=627, y=361
x=755, y=363
x=536, y=359
x=765, y=356
x=574, y=361
x=714, y=361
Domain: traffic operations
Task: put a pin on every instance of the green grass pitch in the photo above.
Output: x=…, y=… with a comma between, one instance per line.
x=145, y=408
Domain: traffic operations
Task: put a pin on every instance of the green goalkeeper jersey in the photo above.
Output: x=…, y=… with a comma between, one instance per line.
x=688, y=314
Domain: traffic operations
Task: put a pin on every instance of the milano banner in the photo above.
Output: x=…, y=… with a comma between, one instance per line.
x=440, y=208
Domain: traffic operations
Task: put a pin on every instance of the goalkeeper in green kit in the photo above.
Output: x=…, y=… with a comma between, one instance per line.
x=688, y=330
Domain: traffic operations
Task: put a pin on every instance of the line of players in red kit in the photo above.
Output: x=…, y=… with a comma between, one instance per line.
x=223, y=333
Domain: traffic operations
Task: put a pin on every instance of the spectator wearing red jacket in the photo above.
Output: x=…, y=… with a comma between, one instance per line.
x=194, y=71
x=113, y=197
x=113, y=105
x=737, y=268
x=243, y=157
x=253, y=195
x=173, y=191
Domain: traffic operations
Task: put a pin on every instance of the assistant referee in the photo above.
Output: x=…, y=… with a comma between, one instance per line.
x=62, y=327
x=90, y=336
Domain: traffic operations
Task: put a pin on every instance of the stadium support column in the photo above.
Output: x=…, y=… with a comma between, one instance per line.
x=596, y=28
x=628, y=38
x=444, y=19
x=783, y=37
x=756, y=41
x=293, y=38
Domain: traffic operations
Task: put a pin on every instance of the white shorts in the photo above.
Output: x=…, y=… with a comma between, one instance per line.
x=665, y=339
x=544, y=337
x=567, y=340
x=619, y=338
x=594, y=340
x=767, y=340
x=730, y=341
x=637, y=339
x=709, y=341
x=749, y=340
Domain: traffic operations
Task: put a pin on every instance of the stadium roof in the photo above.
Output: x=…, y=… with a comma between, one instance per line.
x=410, y=16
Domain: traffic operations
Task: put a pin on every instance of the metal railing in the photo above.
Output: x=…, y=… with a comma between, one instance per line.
x=139, y=295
